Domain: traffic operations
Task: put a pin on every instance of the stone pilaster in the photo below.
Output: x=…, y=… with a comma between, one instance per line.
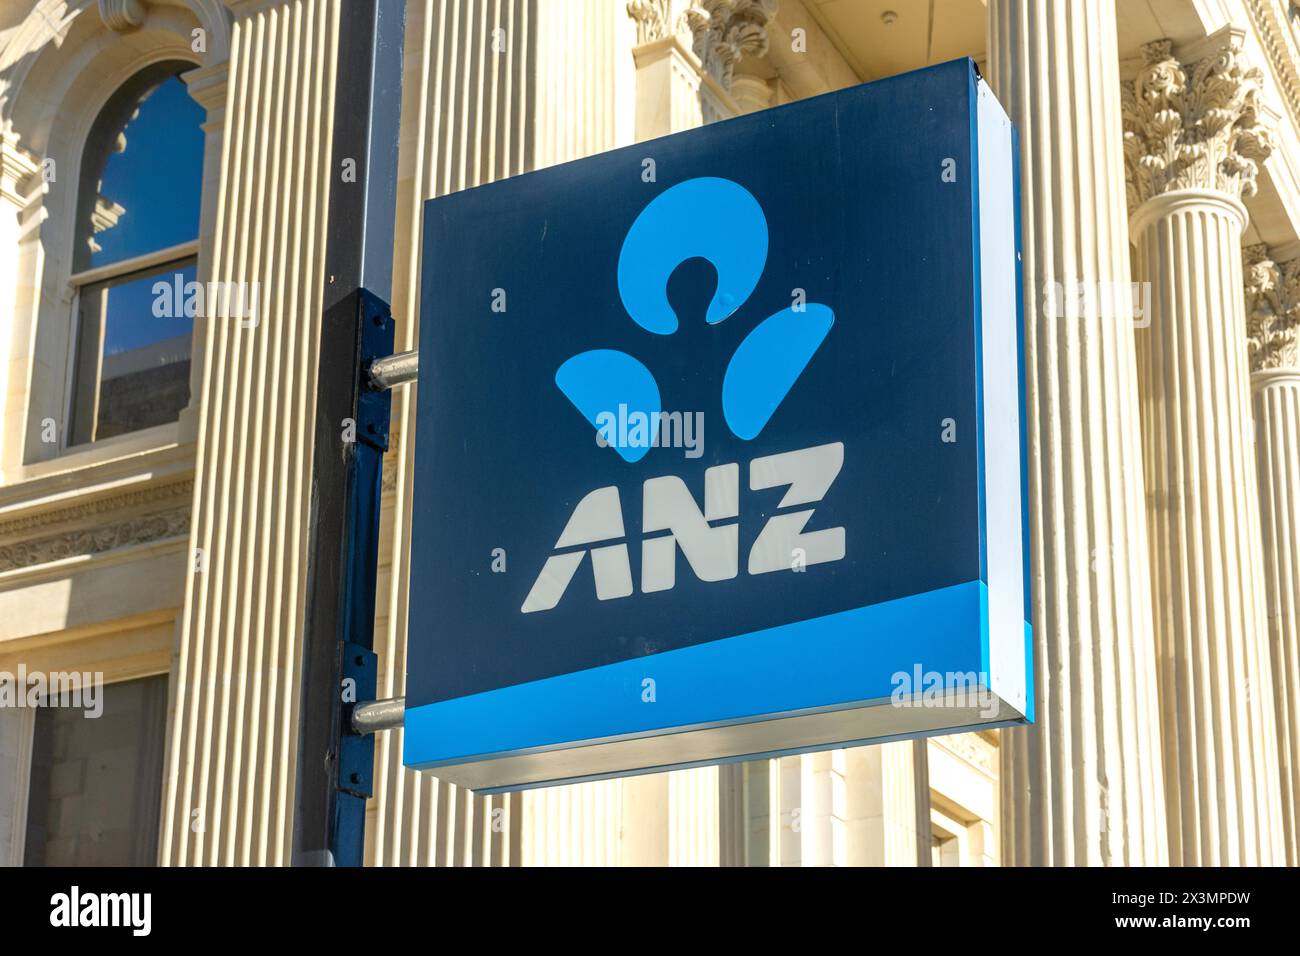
x=1083, y=784
x=19, y=179
x=1273, y=331
x=207, y=86
x=1193, y=144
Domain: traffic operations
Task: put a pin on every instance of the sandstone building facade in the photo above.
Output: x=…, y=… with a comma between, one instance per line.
x=154, y=470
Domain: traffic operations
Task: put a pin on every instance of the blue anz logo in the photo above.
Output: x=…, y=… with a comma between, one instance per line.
x=720, y=221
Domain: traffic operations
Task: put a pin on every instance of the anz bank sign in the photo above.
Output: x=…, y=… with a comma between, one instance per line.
x=824, y=299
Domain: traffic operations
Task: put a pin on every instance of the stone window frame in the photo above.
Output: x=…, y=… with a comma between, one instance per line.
x=58, y=86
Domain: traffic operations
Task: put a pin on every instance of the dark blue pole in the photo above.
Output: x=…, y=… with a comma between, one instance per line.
x=336, y=766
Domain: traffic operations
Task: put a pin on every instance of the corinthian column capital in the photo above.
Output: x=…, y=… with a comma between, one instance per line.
x=1272, y=310
x=652, y=19
x=724, y=31
x=1198, y=124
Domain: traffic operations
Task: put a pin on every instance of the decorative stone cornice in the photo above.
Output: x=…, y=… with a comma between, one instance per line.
x=94, y=510
x=1196, y=125
x=90, y=527
x=1272, y=309
x=122, y=16
x=1278, y=38
x=724, y=31
x=119, y=534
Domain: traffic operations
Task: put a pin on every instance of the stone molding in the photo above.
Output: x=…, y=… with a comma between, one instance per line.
x=1280, y=43
x=90, y=541
x=62, y=533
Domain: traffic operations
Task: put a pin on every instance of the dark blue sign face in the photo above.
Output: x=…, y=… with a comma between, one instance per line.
x=706, y=436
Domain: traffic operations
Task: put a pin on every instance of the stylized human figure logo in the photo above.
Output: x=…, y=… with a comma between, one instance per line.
x=720, y=221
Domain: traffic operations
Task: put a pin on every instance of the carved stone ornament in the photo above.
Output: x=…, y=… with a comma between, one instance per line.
x=97, y=526
x=89, y=541
x=724, y=31
x=652, y=18
x=122, y=15
x=1272, y=309
x=1197, y=125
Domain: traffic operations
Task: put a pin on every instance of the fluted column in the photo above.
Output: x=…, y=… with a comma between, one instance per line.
x=1082, y=785
x=491, y=88
x=1193, y=142
x=228, y=786
x=1273, y=328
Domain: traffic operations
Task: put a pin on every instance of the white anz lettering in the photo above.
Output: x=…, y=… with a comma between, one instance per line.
x=711, y=549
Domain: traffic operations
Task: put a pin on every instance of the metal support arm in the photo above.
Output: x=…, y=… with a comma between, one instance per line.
x=393, y=370
x=376, y=715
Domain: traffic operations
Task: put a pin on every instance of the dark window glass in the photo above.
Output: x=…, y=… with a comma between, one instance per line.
x=96, y=783
x=133, y=365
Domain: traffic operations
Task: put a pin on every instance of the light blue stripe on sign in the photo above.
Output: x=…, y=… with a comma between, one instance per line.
x=819, y=663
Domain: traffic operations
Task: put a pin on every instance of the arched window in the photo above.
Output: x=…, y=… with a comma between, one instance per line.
x=136, y=240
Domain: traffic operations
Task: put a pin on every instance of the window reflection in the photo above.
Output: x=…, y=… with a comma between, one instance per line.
x=133, y=367
x=138, y=209
x=145, y=169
